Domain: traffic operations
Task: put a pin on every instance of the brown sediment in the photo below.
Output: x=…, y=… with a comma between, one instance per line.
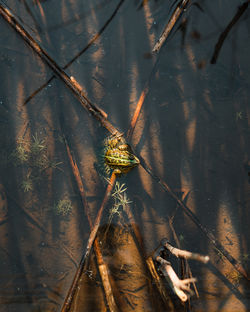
x=92, y=240
x=127, y=269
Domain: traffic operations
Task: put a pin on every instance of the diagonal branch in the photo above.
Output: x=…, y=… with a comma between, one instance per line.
x=170, y=25
x=225, y=33
x=17, y=25
x=89, y=44
x=194, y=218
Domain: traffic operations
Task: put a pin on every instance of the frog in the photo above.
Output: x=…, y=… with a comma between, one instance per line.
x=118, y=155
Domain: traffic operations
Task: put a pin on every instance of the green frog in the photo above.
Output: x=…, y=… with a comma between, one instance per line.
x=118, y=155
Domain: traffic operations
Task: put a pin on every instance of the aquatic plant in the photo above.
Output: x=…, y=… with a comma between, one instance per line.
x=239, y=115
x=120, y=201
x=55, y=164
x=37, y=145
x=245, y=257
x=124, y=200
x=118, y=189
x=63, y=207
x=21, y=154
x=41, y=161
x=27, y=184
x=120, y=197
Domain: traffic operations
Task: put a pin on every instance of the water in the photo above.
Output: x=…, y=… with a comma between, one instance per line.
x=193, y=131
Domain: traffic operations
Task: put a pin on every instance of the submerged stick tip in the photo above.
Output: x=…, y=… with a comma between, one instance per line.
x=206, y=259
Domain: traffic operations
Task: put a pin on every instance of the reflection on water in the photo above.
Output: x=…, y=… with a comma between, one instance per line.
x=192, y=133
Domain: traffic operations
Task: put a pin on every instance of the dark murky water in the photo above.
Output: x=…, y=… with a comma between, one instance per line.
x=193, y=131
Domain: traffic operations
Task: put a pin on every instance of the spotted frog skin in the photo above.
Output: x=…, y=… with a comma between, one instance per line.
x=118, y=155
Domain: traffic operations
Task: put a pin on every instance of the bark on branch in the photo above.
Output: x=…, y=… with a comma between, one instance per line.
x=170, y=25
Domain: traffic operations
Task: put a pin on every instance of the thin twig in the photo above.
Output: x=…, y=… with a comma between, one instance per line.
x=99, y=215
x=185, y=261
x=225, y=33
x=141, y=101
x=89, y=44
x=179, y=253
x=17, y=25
x=137, y=111
x=173, y=19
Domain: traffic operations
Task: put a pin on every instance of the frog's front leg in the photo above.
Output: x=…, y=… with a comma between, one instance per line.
x=117, y=171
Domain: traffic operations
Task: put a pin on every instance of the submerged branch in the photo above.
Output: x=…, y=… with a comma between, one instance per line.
x=17, y=25
x=159, y=284
x=137, y=111
x=185, y=265
x=89, y=44
x=170, y=25
x=141, y=102
x=179, y=253
x=180, y=287
x=225, y=33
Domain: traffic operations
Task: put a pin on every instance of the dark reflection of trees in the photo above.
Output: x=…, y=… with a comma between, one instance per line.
x=192, y=132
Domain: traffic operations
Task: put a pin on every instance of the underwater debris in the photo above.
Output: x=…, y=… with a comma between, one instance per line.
x=180, y=287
